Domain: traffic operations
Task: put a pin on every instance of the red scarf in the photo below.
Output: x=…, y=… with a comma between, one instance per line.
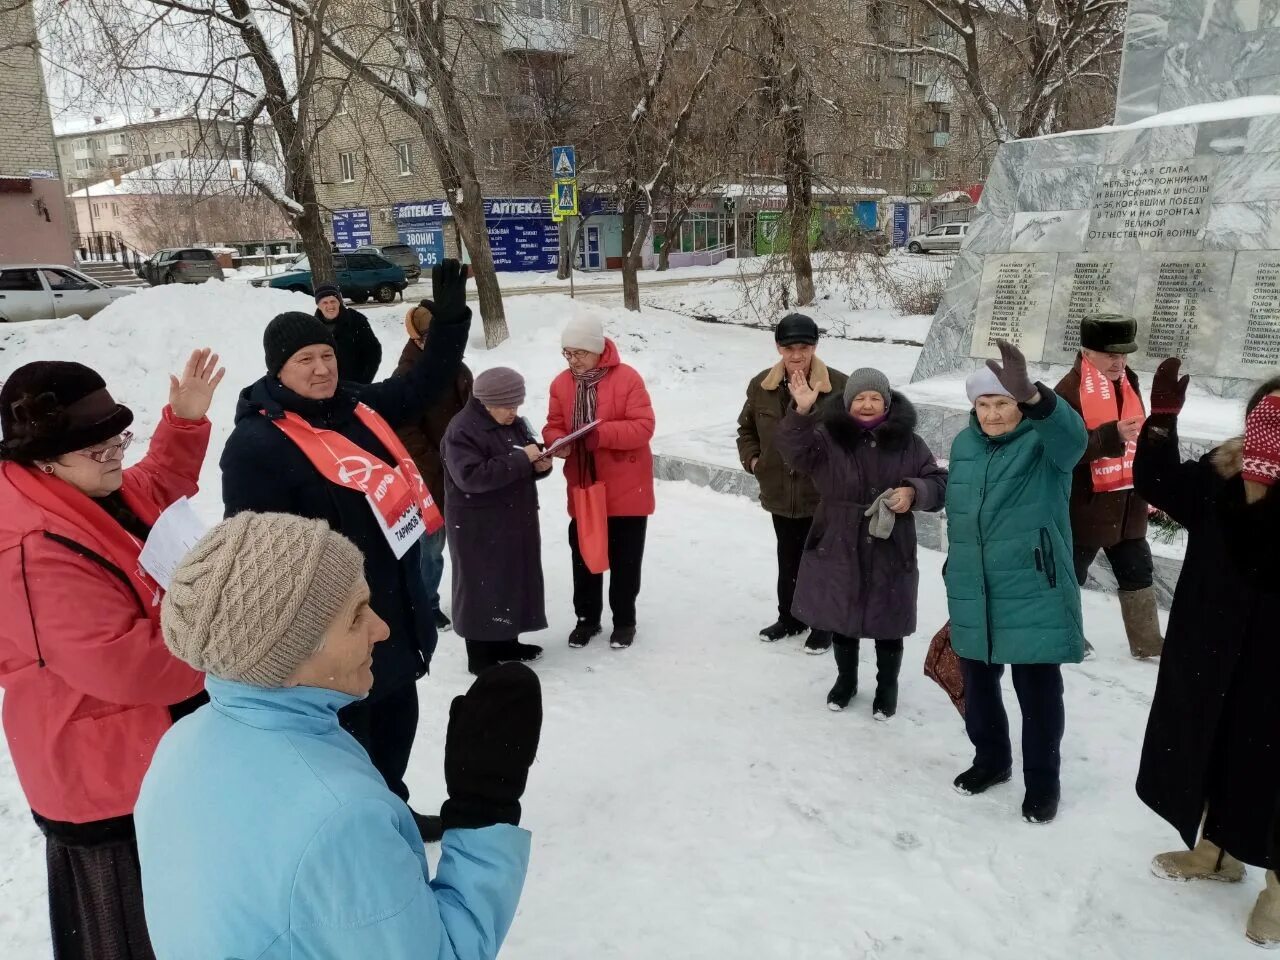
x=391, y=490
x=106, y=537
x=1098, y=405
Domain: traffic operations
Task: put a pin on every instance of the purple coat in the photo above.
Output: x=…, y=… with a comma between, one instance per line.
x=491, y=518
x=850, y=582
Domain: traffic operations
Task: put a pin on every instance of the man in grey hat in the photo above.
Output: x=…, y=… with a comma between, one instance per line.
x=1106, y=513
x=788, y=495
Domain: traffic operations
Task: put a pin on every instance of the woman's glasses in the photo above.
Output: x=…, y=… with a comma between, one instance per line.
x=575, y=354
x=114, y=450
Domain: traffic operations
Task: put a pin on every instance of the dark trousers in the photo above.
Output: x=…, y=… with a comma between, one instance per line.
x=1039, y=690
x=385, y=727
x=791, y=532
x=626, y=557
x=1130, y=561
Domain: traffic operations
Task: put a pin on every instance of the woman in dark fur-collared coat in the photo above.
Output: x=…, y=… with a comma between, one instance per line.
x=858, y=575
x=1211, y=759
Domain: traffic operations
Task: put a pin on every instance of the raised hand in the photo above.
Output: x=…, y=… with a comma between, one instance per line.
x=1168, y=391
x=189, y=398
x=804, y=395
x=449, y=291
x=1011, y=371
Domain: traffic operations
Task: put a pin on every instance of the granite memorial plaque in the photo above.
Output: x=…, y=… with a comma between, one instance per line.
x=1181, y=308
x=1013, y=303
x=1087, y=283
x=1251, y=337
x=1156, y=206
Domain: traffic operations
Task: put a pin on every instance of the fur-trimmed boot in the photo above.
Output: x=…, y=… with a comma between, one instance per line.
x=1142, y=622
x=1207, y=861
x=1264, y=922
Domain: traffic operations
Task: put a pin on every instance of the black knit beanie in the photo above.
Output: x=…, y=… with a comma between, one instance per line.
x=52, y=407
x=290, y=332
x=328, y=290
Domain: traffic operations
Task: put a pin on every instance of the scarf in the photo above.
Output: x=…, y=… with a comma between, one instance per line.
x=105, y=536
x=584, y=412
x=1098, y=405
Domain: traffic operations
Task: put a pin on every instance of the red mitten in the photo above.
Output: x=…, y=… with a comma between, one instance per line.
x=1262, y=442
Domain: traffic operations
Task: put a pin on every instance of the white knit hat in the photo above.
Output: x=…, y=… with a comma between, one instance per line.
x=984, y=383
x=583, y=332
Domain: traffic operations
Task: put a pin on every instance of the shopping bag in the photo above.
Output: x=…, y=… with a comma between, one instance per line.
x=943, y=667
x=592, y=517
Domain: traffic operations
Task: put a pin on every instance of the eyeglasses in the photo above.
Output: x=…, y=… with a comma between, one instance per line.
x=576, y=354
x=110, y=451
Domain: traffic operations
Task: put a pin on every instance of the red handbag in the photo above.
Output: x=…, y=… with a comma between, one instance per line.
x=942, y=666
x=591, y=512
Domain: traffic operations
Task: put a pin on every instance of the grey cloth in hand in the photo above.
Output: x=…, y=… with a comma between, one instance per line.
x=882, y=518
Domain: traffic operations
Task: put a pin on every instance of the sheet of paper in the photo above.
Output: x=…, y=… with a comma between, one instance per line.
x=568, y=439
x=174, y=534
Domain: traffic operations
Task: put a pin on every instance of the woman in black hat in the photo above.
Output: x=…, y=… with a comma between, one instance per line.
x=89, y=685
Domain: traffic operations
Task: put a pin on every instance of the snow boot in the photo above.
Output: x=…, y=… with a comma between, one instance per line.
x=443, y=623
x=978, y=780
x=781, y=630
x=430, y=828
x=1141, y=623
x=581, y=635
x=1207, y=861
x=514, y=651
x=818, y=641
x=846, y=685
x=1264, y=921
x=888, y=665
x=622, y=637
x=481, y=655
x=1041, y=806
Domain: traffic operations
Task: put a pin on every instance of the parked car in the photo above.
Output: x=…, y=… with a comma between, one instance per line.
x=854, y=239
x=948, y=236
x=402, y=255
x=41, y=291
x=360, y=275
x=181, y=265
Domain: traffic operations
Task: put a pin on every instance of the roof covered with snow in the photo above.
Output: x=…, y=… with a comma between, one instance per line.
x=185, y=175
x=65, y=126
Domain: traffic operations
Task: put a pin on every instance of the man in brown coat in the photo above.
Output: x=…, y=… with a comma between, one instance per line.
x=422, y=439
x=1112, y=519
x=787, y=494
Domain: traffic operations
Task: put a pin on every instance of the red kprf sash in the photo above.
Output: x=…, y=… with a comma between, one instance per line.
x=1098, y=405
x=400, y=500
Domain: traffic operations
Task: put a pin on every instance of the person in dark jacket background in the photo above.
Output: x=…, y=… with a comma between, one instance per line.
x=359, y=352
x=267, y=471
x=1107, y=514
x=858, y=577
x=785, y=491
x=422, y=436
x=1211, y=759
x=491, y=462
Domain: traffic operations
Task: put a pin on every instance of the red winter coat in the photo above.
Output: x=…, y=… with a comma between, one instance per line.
x=87, y=678
x=623, y=460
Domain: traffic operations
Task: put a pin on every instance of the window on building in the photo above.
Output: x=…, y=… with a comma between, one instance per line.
x=589, y=19
x=340, y=103
x=900, y=14
x=115, y=209
x=82, y=164
x=347, y=167
x=404, y=158
x=964, y=125
x=873, y=168
x=913, y=168
x=496, y=152
x=595, y=88
x=642, y=28
x=941, y=168
x=528, y=80
x=920, y=70
x=170, y=155
x=489, y=84
x=96, y=213
x=485, y=12
x=530, y=8
x=874, y=66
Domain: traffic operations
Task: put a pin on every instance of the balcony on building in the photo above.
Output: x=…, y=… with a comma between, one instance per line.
x=939, y=139
x=523, y=34
x=82, y=150
x=940, y=93
x=117, y=150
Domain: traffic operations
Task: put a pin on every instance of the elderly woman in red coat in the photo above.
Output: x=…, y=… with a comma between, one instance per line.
x=598, y=386
x=89, y=685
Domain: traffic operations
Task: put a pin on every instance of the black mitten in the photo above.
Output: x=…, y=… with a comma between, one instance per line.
x=491, y=743
x=449, y=292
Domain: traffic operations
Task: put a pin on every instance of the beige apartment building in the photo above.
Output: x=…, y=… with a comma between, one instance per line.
x=34, y=222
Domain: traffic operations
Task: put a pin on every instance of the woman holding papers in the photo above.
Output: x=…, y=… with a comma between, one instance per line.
x=89, y=685
x=615, y=456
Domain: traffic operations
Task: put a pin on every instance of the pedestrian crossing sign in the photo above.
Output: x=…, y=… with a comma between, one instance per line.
x=565, y=200
x=564, y=163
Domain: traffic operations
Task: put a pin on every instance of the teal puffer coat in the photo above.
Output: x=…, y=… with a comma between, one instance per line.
x=1011, y=588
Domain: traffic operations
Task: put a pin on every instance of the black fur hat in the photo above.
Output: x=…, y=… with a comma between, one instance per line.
x=52, y=407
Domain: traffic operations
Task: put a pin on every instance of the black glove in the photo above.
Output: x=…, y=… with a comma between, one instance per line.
x=449, y=292
x=1013, y=374
x=1168, y=392
x=491, y=743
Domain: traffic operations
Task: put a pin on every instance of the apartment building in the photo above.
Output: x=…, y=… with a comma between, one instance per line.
x=92, y=148
x=34, y=221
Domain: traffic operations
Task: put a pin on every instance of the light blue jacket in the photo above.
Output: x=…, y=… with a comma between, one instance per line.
x=264, y=831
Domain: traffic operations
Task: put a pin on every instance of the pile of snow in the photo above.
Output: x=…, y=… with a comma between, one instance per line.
x=693, y=797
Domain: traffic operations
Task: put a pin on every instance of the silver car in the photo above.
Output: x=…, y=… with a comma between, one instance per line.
x=947, y=237
x=37, y=291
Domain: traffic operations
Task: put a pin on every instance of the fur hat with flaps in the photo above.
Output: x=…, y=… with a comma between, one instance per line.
x=417, y=320
x=52, y=407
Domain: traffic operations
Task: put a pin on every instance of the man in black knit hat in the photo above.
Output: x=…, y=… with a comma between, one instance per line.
x=359, y=352
x=311, y=444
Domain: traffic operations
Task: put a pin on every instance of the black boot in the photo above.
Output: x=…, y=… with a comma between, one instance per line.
x=819, y=641
x=581, y=634
x=1041, y=805
x=443, y=623
x=622, y=637
x=781, y=630
x=509, y=651
x=429, y=826
x=481, y=655
x=846, y=686
x=978, y=780
x=888, y=665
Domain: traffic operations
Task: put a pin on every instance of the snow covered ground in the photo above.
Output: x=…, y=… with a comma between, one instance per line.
x=693, y=797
